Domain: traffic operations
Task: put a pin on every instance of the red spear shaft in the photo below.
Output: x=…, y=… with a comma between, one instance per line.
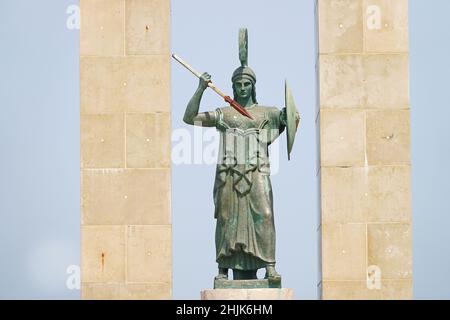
x=232, y=103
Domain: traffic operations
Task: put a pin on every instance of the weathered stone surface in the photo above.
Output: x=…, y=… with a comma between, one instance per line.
x=341, y=81
x=390, y=194
x=102, y=141
x=388, y=137
x=147, y=27
x=342, y=135
x=358, y=290
x=390, y=249
x=148, y=140
x=386, y=81
x=102, y=27
x=340, y=26
x=121, y=197
x=345, y=195
x=149, y=254
x=344, y=252
x=364, y=81
x=389, y=33
x=103, y=253
x=122, y=291
x=366, y=194
x=247, y=294
x=131, y=84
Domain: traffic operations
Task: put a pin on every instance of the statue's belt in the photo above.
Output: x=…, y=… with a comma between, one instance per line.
x=241, y=173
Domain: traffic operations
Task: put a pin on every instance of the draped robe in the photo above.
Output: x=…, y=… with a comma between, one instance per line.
x=245, y=229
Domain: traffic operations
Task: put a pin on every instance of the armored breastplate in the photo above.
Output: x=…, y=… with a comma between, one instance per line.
x=244, y=145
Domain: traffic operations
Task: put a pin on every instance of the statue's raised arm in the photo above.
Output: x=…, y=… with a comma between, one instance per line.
x=205, y=119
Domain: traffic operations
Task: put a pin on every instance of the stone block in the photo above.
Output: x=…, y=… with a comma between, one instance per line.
x=344, y=252
x=149, y=254
x=386, y=81
x=102, y=27
x=386, y=26
x=131, y=84
x=390, y=249
x=364, y=81
x=345, y=197
x=341, y=82
x=148, y=140
x=103, y=253
x=120, y=197
x=342, y=135
x=147, y=27
x=340, y=26
x=390, y=194
x=102, y=140
x=388, y=137
x=366, y=194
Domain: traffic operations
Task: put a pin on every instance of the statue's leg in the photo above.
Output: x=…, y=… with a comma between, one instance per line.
x=223, y=274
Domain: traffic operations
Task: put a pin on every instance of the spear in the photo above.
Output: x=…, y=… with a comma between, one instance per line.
x=227, y=99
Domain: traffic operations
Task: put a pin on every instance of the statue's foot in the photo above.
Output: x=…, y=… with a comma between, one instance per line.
x=272, y=274
x=221, y=277
x=223, y=274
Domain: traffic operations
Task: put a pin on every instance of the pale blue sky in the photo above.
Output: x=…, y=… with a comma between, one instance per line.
x=39, y=144
x=39, y=141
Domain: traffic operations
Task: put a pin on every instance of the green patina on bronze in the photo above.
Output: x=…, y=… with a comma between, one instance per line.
x=248, y=284
x=245, y=230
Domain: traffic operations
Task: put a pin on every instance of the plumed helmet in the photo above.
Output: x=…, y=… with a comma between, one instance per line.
x=244, y=70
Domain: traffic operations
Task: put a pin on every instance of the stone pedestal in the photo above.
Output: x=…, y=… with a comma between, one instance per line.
x=247, y=294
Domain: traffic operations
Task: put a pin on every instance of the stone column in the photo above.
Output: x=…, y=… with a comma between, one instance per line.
x=125, y=149
x=365, y=168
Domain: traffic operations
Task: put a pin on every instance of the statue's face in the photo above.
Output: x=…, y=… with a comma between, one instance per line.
x=243, y=88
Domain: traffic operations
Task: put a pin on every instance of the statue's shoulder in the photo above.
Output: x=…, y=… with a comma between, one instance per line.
x=272, y=114
x=224, y=109
x=268, y=108
x=223, y=112
x=269, y=111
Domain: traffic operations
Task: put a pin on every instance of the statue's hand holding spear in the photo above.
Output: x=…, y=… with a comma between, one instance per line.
x=205, y=82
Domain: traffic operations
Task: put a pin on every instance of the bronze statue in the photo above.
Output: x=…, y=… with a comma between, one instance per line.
x=245, y=230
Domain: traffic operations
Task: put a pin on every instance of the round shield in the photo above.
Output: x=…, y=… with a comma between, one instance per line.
x=292, y=119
